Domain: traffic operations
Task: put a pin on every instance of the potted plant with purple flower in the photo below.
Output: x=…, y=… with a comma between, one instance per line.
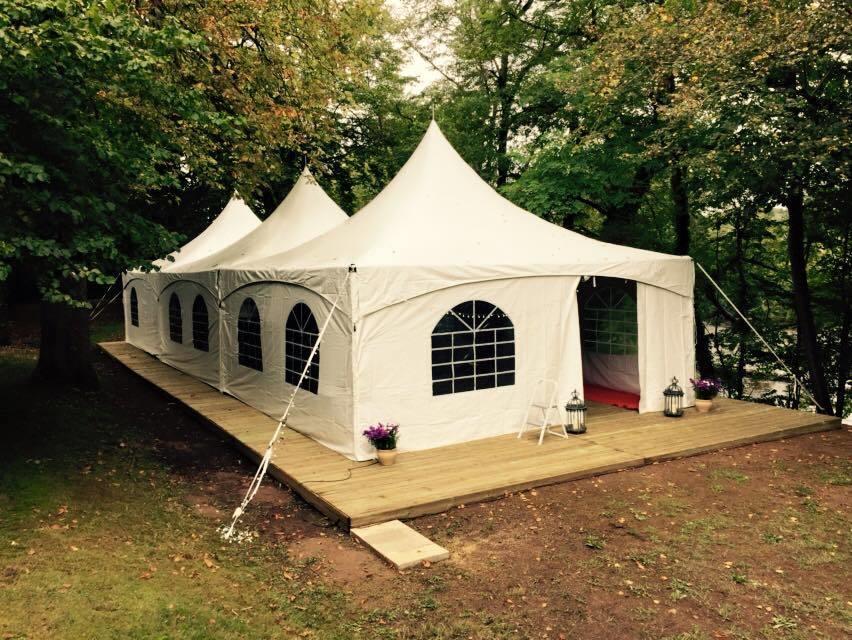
x=383, y=437
x=705, y=390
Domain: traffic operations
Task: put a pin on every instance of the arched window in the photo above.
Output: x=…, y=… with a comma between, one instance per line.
x=175, y=319
x=248, y=336
x=609, y=323
x=300, y=337
x=200, y=325
x=134, y=307
x=473, y=347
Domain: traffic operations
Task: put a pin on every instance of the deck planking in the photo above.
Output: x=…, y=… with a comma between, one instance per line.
x=422, y=482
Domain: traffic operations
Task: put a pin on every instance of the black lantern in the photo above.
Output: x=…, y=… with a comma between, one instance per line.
x=674, y=400
x=575, y=412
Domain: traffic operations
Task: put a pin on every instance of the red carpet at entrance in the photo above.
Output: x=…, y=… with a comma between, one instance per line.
x=623, y=399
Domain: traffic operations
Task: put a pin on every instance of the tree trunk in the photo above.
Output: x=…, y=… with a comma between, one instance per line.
x=843, y=363
x=796, y=394
x=5, y=331
x=65, y=354
x=743, y=330
x=703, y=355
x=680, y=201
x=844, y=349
x=617, y=227
x=503, y=121
x=739, y=384
x=802, y=299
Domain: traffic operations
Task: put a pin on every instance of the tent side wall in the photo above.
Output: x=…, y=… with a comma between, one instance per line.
x=666, y=344
x=185, y=355
x=326, y=415
x=394, y=359
x=146, y=335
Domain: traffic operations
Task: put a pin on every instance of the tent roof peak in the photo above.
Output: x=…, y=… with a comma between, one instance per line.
x=233, y=222
x=438, y=215
x=305, y=213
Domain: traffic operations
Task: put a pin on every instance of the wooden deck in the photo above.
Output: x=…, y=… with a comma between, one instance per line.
x=422, y=482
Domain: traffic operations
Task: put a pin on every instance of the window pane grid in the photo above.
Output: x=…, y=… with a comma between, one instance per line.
x=249, y=336
x=300, y=336
x=200, y=325
x=609, y=323
x=134, y=307
x=175, y=319
x=472, y=348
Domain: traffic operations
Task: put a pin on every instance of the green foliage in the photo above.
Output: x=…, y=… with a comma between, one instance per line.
x=722, y=113
x=375, y=140
x=671, y=126
x=594, y=541
x=493, y=57
x=112, y=113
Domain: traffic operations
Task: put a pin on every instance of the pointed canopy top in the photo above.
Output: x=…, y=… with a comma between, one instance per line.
x=304, y=214
x=233, y=223
x=442, y=223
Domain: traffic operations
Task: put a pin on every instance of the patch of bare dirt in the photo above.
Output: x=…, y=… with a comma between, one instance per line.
x=743, y=539
x=344, y=563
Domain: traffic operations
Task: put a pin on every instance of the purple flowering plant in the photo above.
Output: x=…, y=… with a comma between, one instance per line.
x=706, y=388
x=382, y=436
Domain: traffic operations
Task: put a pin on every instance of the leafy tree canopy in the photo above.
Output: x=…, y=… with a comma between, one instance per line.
x=109, y=108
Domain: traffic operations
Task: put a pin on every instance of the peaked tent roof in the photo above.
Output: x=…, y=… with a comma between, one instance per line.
x=304, y=214
x=233, y=223
x=437, y=223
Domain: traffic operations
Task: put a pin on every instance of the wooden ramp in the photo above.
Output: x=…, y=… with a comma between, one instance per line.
x=399, y=544
x=422, y=482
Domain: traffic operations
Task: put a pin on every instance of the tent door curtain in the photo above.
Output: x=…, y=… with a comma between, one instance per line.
x=666, y=344
x=609, y=341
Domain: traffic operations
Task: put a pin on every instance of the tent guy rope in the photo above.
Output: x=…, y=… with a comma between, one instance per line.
x=254, y=487
x=760, y=337
x=94, y=316
x=96, y=310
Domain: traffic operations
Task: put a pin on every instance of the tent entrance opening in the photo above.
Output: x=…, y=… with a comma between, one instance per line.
x=609, y=339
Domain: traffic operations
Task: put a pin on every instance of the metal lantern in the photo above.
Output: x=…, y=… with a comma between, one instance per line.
x=674, y=400
x=575, y=411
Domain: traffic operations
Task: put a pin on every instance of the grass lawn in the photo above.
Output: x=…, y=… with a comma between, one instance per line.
x=110, y=501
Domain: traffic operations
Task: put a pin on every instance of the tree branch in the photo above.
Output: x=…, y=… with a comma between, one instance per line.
x=434, y=65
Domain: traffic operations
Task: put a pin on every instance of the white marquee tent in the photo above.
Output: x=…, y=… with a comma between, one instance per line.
x=451, y=304
x=141, y=289
x=189, y=295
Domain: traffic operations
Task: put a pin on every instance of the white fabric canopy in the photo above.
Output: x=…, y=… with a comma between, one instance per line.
x=304, y=214
x=438, y=223
x=235, y=220
x=438, y=236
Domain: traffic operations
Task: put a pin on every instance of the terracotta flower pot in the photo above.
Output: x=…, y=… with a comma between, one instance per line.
x=386, y=456
x=703, y=406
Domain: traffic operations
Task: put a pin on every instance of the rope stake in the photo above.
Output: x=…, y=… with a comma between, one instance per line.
x=761, y=338
x=254, y=487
